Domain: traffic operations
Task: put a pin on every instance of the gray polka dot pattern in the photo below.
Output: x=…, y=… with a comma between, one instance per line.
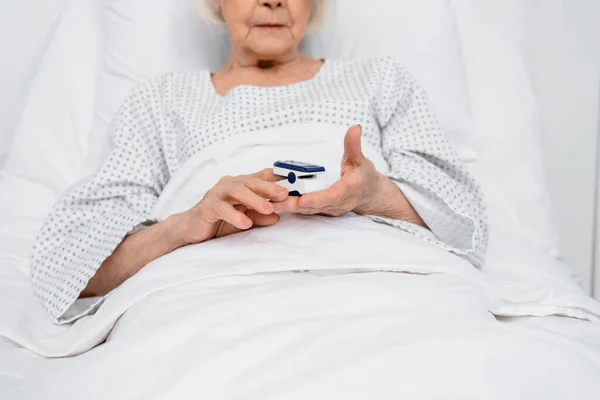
x=170, y=119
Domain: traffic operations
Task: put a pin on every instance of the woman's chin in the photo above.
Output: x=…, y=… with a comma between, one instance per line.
x=272, y=49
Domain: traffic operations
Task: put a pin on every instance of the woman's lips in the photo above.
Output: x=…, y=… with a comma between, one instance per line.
x=270, y=26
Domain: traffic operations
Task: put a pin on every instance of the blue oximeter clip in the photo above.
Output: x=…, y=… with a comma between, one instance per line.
x=298, y=174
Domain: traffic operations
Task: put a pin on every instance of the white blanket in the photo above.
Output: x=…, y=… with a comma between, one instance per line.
x=313, y=307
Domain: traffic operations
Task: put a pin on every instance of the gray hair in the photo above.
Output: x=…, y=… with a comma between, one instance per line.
x=210, y=15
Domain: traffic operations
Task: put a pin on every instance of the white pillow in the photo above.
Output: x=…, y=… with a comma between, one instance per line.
x=505, y=113
x=52, y=136
x=9, y=124
x=144, y=41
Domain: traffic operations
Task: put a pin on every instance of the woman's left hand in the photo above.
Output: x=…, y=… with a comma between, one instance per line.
x=361, y=189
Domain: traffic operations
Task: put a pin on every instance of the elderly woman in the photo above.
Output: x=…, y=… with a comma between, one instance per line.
x=102, y=233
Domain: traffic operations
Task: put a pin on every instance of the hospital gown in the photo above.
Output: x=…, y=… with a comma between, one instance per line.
x=167, y=121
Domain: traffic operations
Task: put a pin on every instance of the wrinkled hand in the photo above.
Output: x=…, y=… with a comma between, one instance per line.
x=361, y=187
x=233, y=205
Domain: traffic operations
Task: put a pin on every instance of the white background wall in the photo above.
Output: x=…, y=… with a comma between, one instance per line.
x=560, y=38
x=583, y=24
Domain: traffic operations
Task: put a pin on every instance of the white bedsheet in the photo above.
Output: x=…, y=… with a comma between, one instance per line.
x=314, y=307
x=312, y=335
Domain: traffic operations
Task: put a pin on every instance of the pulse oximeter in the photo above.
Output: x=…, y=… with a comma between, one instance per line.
x=298, y=175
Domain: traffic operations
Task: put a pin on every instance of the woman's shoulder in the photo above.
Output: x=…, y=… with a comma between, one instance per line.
x=384, y=66
x=374, y=72
x=172, y=84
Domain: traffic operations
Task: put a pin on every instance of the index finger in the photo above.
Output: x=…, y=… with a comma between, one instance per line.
x=268, y=175
x=269, y=190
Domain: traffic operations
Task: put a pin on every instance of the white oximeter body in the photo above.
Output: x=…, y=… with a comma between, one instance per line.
x=299, y=176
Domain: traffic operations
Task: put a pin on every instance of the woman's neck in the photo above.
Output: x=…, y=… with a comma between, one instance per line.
x=244, y=69
x=241, y=60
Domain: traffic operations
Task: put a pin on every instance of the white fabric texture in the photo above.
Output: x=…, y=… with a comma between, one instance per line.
x=231, y=318
x=518, y=280
x=310, y=336
x=8, y=128
x=143, y=42
x=165, y=123
x=50, y=145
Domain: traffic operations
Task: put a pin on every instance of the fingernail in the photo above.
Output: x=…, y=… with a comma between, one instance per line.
x=280, y=189
x=360, y=126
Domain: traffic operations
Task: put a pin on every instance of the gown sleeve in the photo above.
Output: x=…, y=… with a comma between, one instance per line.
x=426, y=168
x=93, y=217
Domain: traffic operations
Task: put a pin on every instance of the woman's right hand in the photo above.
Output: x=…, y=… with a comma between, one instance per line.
x=233, y=205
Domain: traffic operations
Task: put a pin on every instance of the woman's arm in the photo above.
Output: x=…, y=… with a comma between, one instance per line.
x=234, y=204
x=427, y=187
x=361, y=189
x=90, y=244
x=94, y=217
x=427, y=169
x=134, y=252
x=388, y=201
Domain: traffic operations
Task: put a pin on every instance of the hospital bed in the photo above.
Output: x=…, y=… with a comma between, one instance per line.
x=227, y=321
